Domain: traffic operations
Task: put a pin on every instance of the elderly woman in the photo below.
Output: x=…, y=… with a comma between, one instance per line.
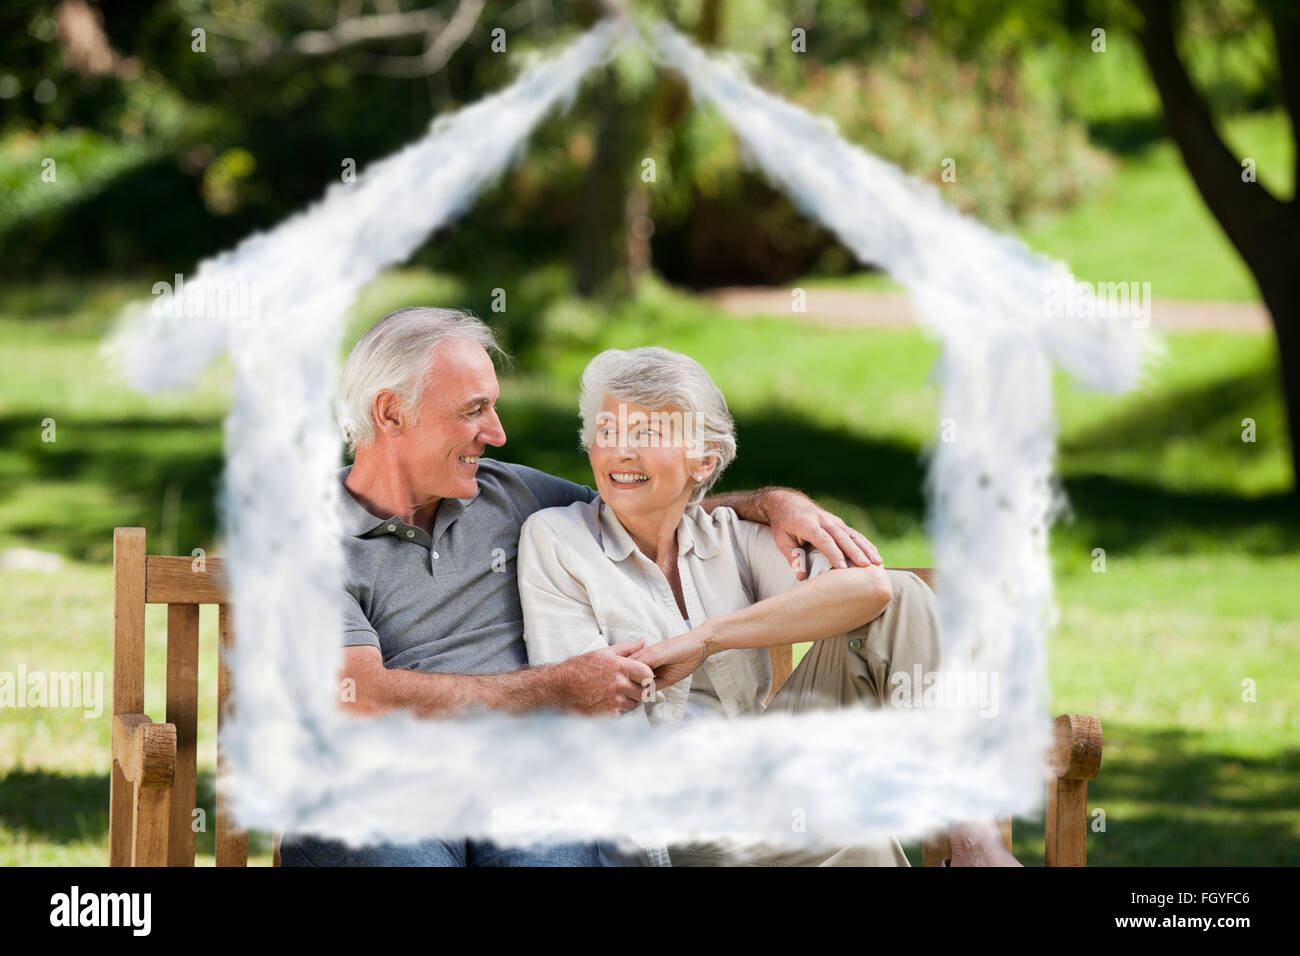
x=709, y=593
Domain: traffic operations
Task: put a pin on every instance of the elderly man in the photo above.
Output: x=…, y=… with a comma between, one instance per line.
x=432, y=619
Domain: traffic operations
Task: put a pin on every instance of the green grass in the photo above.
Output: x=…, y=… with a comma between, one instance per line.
x=54, y=762
x=1202, y=545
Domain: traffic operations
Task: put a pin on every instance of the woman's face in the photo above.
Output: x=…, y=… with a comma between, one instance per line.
x=639, y=459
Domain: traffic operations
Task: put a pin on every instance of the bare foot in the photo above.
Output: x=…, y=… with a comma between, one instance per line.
x=979, y=844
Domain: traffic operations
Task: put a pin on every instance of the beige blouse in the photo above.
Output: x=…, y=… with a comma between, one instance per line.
x=584, y=585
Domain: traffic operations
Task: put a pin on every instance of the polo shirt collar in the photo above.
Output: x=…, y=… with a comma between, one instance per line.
x=614, y=539
x=693, y=534
x=697, y=532
x=359, y=522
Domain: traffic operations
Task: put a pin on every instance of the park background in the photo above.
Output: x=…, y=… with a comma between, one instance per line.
x=166, y=154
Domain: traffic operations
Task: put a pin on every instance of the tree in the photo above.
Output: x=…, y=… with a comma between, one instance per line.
x=1264, y=228
x=610, y=249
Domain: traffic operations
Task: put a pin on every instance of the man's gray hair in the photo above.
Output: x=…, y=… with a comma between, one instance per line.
x=657, y=378
x=395, y=353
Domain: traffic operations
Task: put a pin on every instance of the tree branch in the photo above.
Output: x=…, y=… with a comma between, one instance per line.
x=380, y=26
x=441, y=45
x=267, y=48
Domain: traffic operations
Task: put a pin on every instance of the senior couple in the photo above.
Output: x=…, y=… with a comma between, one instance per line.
x=476, y=583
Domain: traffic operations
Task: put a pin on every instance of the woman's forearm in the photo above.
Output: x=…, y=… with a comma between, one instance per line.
x=831, y=603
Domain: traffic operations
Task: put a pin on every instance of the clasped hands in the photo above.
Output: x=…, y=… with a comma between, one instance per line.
x=795, y=521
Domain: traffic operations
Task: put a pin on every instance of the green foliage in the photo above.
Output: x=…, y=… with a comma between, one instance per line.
x=1014, y=152
x=177, y=153
x=83, y=162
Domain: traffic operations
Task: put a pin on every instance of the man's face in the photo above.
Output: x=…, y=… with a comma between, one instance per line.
x=457, y=421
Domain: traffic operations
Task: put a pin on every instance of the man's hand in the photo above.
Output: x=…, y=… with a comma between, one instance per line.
x=674, y=659
x=605, y=682
x=797, y=520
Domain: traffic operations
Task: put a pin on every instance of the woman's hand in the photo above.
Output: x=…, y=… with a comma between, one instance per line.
x=676, y=658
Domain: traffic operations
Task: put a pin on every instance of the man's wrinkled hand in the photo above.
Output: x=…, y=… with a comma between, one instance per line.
x=797, y=520
x=674, y=659
x=606, y=682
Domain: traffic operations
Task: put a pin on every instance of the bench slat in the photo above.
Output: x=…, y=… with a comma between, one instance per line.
x=231, y=843
x=128, y=678
x=172, y=580
x=182, y=711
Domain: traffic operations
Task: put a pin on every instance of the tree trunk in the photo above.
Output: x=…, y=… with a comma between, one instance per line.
x=613, y=227
x=600, y=240
x=1264, y=229
x=1283, y=304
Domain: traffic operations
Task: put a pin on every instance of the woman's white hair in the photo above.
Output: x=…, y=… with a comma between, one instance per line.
x=657, y=378
x=395, y=354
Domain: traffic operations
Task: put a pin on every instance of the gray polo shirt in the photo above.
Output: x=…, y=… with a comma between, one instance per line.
x=447, y=603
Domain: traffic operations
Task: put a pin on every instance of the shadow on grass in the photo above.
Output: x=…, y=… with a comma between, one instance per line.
x=1128, y=135
x=1188, y=794
x=1135, y=514
x=59, y=808
x=140, y=463
x=1133, y=517
x=1199, y=806
x=886, y=479
x=1209, y=413
x=50, y=807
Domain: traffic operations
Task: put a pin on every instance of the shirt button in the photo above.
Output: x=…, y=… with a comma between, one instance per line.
x=392, y=527
x=410, y=534
x=856, y=644
x=435, y=554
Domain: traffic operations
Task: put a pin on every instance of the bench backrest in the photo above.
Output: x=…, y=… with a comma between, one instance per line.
x=183, y=584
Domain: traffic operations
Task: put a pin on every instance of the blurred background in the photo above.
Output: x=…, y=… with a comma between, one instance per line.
x=138, y=138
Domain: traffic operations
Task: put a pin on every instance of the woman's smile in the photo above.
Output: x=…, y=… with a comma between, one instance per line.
x=628, y=479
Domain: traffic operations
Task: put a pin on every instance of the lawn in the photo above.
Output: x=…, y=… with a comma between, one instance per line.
x=1200, y=541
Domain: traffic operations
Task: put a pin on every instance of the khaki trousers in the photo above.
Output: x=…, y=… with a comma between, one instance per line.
x=849, y=670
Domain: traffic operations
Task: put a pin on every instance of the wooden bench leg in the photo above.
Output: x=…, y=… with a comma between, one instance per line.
x=1076, y=759
x=152, y=806
x=121, y=811
x=144, y=767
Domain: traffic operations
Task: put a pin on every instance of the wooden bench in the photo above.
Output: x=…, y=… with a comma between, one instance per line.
x=153, y=791
x=154, y=773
